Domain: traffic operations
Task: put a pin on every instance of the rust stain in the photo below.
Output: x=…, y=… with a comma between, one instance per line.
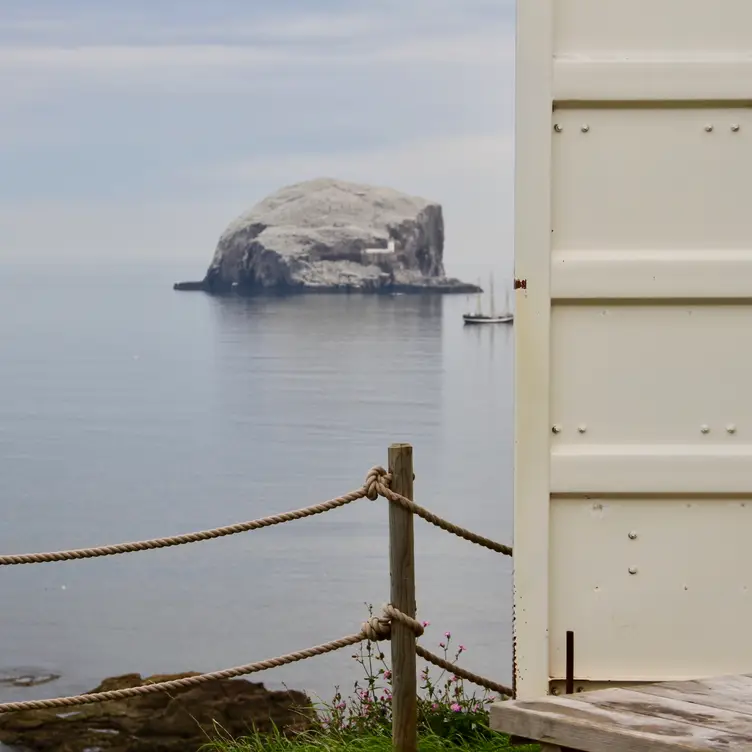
x=520, y=284
x=514, y=647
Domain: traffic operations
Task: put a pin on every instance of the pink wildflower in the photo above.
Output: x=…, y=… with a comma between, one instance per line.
x=455, y=707
x=387, y=674
x=448, y=635
x=426, y=623
x=442, y=645
x=435, y=706
x=462, y=649
x=455, y=678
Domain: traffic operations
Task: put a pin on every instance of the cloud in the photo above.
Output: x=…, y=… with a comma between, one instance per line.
x=285, y=21
x=470, y=47
x=470, y=175
x=111, y=47
x=136, y=130
x=424, y=161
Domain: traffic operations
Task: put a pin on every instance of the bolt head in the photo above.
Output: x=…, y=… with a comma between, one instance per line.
x=731, y=428
x=632, y=535
x=735, y=127
x=633, y=570
x=585, y=128
x=704, y=428
x=708, y=127
x=582, y=429
x=556, y=428
x=558, y=128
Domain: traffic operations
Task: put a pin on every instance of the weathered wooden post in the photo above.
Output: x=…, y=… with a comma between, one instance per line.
x=402, y=570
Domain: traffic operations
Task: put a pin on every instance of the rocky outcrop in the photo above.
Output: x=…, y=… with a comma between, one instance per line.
x=330, y=235
x=179, y=721
x=26, y=677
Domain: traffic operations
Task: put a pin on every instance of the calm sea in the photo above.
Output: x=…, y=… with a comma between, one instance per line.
x=131, y=411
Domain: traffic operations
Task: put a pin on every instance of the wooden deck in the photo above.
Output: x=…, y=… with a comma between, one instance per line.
x=709, y=714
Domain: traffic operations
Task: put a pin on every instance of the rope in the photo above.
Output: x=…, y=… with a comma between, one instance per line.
x=188, y=681
x=381, y=487
x=177, y=540
x=457, y=671
x=376, y=484
x=375, y=629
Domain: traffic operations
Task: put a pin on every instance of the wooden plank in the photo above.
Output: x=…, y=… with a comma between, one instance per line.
x=732, y=693
x=656, y=706
x=583, y=726
x=402, y=567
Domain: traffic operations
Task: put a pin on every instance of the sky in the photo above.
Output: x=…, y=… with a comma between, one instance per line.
x=138, y=130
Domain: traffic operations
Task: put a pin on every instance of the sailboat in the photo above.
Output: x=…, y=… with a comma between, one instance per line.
x=488, y=318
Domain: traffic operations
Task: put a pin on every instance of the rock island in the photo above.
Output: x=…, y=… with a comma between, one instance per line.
x=329, y=235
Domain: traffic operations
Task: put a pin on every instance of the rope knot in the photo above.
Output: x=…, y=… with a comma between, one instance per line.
x=380, y=627
x=377, y=628
x=376, y=479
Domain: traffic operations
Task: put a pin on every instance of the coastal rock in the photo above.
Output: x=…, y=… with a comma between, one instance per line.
x=331, y=235
x=178, y=721
x=26, y=677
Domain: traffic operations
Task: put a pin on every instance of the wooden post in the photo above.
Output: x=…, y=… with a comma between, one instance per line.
x=402, y=569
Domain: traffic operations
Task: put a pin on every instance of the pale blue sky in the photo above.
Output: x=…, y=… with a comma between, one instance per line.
x=140, y=129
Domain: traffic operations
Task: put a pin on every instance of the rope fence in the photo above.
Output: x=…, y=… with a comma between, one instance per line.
x=376, y=484
x=375, y=629
x=396, y=623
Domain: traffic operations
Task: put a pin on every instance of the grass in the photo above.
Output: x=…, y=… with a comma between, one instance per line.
x=450, y=718
x=317, y=741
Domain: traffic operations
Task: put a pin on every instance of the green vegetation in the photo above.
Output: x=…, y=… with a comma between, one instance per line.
x=318, y=742
x=449, y=718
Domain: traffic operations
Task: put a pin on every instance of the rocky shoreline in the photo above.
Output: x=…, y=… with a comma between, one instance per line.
x=181, y=720
x=444, y=287
x=332, y=236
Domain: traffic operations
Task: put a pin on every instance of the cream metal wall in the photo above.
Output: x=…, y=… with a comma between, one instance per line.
x=633, y=245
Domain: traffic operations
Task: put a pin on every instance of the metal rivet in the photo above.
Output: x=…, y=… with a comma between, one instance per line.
x=585, y=128
x=633, y=570
x=582, y=429
x=558, y=128
x=735, y=127
x=708, y=127
x=704, y=428
x=731, y=428
x=556, y=428
x=632, y=535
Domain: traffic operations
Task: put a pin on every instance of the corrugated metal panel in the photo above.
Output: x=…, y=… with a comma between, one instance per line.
x=633, y=467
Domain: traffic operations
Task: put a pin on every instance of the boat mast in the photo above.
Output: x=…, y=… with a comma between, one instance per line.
x=478, y=301
x=491, y=294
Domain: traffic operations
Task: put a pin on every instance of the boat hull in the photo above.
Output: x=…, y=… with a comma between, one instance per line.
x=475, y=319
